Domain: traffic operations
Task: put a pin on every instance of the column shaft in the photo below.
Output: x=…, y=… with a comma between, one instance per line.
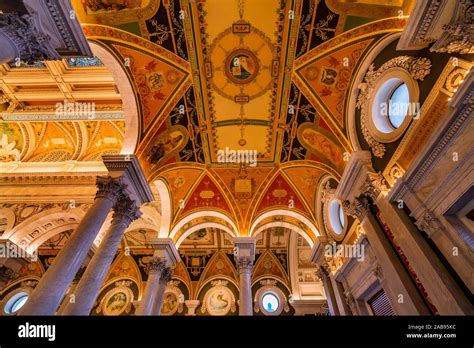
x=340, y=297
x=163, y=283
x=51, y=289
x=245, y=297
x=443, y=290
x=89, y=286
x=155, y=269
x=328, y=289
x=398, y=280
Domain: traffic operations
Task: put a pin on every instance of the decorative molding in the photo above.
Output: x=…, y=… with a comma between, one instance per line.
x=327, y=192
x=154, y=265
x=374, y=185
x=125, y=210
x=353, y=178
x=166, y=250
x=47, y=32
x=461, y=109
x=358, y=208
x=109, y=188
x=128, y=168
x=429, y=223
x=244, y=265
x=378, y=272
x=30, y=44
x=447, y=23
x=417, y=67
x=219, y=286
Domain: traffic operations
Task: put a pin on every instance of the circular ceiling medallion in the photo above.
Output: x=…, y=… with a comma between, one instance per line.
x=241, y=66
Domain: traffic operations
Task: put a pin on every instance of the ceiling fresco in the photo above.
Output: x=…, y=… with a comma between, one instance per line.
x=214, y=80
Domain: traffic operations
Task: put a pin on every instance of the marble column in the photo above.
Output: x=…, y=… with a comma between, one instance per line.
x=400, y=290
x=86, y=292
x=166, y=276
x=244, y=268
x=154, y=269
x=341, y=302
x=165, y=256
x=244, y=253
x=439, y=284
x=328, y=289
x=53, y=285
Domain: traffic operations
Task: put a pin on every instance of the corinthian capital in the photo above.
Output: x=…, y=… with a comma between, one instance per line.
x=166, y=275
x=108, y=187
x=244, y=264
x=126, y=210
x=359, y=208
x=374, y=184
x=31, y=44
x=156, y=264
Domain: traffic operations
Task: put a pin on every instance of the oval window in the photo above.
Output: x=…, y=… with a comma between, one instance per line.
x=270, y=302
x=16, y=302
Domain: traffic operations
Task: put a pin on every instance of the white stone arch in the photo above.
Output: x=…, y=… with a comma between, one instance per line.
x=36, y=230
x=287, y=225
x=293, y=262
x=200, y=214
x=130, y=107
x=286, y=212
x=201, y=226
x=359, y=77
x=166, y=208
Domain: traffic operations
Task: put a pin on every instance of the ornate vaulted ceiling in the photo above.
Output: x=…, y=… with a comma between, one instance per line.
x=267, y=75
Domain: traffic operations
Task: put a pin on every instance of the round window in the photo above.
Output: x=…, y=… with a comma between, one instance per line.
x=398, y=103
x=393, y=103
x=270, y=302
x=336, y=216
x=16, y=302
